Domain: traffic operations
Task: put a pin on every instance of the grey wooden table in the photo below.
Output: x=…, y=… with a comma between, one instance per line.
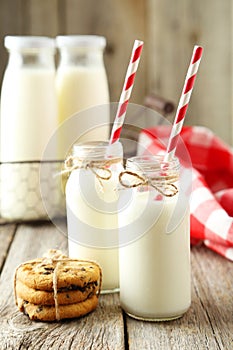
x=207, y=325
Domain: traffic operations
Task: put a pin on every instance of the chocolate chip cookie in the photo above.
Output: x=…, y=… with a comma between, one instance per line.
x=56, y=287
x=72, y=274
x=49, y=313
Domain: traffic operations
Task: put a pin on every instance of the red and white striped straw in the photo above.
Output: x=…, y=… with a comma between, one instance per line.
x=126, y=92
x=183, y=103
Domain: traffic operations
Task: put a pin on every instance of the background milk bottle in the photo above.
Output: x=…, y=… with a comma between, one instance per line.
x=81, y=83
x=28, y=119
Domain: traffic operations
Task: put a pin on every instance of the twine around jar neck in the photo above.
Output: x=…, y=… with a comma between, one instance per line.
x=162, y=184
x=96, y=166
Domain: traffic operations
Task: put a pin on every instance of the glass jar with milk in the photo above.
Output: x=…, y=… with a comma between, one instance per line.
x=28, y=119
x=92, y=203
x=81, y=83
x=154, y=259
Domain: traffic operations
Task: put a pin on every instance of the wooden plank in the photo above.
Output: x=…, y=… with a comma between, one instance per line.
x=102, y=329
x=174, y=27
x=121, y=22
x=213, y=281
x=11, y=23
x=211, y=102
x=6, y=236
x=43, y=17
x=165, y=58
x=208, y=324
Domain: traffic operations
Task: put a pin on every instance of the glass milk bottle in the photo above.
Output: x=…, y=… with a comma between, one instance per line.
x=81, y=82
x=154, y=256
x=91, y=201
x=28, y=119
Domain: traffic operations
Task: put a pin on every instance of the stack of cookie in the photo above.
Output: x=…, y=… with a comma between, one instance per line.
x=56, y=287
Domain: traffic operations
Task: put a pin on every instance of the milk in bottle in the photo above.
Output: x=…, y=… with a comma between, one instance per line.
x=91, y=202
x=28, y=119
x=154, y=262
x=81, y=82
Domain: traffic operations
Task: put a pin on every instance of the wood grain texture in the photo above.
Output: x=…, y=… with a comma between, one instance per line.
x=6, y=236
x=173, y=29
x=121, y=22
x=43, y=17
x=208, y=324
x=11, y=23
x=169, y=30
x=102, y=329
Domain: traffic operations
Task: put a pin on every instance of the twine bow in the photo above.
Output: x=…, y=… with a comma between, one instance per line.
x=99, y=167
x=163, y=184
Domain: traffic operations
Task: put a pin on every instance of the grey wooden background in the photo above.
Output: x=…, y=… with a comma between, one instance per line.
x=169, y=28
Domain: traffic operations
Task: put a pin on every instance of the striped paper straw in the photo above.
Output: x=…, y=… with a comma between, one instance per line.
x=183, y=103
x=126, y=92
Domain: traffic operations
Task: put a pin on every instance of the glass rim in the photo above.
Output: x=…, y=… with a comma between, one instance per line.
x=28, y=42
x=80, y=41
x=97, y=149
x=152, y=163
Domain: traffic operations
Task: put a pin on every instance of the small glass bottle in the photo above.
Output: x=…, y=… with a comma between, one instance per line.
x=28, y=120
x=81, y=83
x=154, y=256
x=92, y=202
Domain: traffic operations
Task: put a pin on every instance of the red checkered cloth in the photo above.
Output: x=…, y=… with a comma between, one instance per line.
x=211, y=202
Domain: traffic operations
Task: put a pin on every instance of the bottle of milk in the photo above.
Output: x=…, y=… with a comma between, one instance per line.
x=28, y=120
x=81, y=82
x=92, y=202
x=154, y=256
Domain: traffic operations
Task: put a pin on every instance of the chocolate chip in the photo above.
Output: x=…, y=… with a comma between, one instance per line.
x=49, y=268
x=67, y=295
x=46, y=273
x=74, y=287
x=83, y=269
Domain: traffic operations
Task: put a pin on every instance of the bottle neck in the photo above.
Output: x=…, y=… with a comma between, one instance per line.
x=154, y=166
x=84, y=57
x=95, y=150
x=32, y=58
x=152, y=173
x=95, y=155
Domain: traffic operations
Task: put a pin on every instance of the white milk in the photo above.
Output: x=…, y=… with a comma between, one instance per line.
x=28, y=102
x=29, y=117
x=154, y=265
x=79, y=88
x=93, y=221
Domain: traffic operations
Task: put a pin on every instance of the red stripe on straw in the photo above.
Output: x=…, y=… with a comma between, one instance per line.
x=173, y=143
x=181, y=113
x=190, y=83
x=116, y=135
x=137, y=53
x=122, y=109
x=197, y=54
x=130, y=81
